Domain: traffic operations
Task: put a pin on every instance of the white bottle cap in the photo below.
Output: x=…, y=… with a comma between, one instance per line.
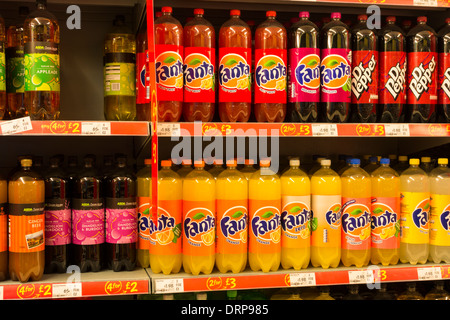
x=294, y=162
x=325, y=162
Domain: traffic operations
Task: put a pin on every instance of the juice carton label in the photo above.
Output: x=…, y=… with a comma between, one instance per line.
x=169, y=72
x=440, y=220
x=326, y=221
x=392, y=70
x=365, y=76
x=142, y=82
x=199, y=74
x=444, y=78
x=58, y=222
x=335, y=71
x=15, y=70
x=41, y=60
x=385, y=223
x=235, y=79
x=355, y=220
x=88, y=221
x=121, y=220
x=270, y=75
x=304, y=75
x=422, y=77
x=2, y=67
x=232, y=226
x=295, y=221
x=144, y=209
x=199, y=227
x=414, y=217
x=26, y=227
x=265, y=226
x=165, y=234
x=3, y=227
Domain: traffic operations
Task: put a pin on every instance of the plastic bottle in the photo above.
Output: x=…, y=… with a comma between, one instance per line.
x=356, y=222
x=270, y=70
x=295, y=217
x=414, y=215
x=143, y=109
x=402, y=164
x=304, y=71
x=3, y=105
x=248, y=168
x=199, y=69
x=232, y=220
x=316, y=166
x=438, y=292
x=440, y=212
x=324, y=294
x=217, y=168
x=169, y=66
x=42, y=79
x=58, y=218
x=382, y=293
x=3, y=228
x=392, y=73
x=199, y=220
x=166, y=242
x=385, y=214
x=186, y=167
x=264, y=251
x=426, y=165
x=422, y=73
x=144, y=201
x=235, y=70
x=364, y=73
x=26, y=239
x=335, y=70
x=373, y=165
x=410, y=293
x=443, y=111
x=326, y=192
x=353, y=293
x=406, y=25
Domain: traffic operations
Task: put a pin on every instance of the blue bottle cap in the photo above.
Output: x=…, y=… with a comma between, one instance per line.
x=355, y=161
x=385, y=161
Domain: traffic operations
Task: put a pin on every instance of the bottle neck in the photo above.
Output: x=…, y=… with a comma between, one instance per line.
x=294, y=167
x=41, y=6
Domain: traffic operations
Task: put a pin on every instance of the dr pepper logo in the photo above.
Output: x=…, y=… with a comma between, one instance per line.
x=336, y=72
x=169, y=69
x=423, y=77
x=234, y=72
x=270, y=73
x=198, y=72
x=307, y=71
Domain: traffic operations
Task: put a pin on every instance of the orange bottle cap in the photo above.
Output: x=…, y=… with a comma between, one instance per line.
x=147, y=161
x=249, y=162
x=199, y=163
x=199, y=11
x=264, y=163
x=186, y=162
x=166, y=163
x=166, y=9
x=235, y=12
x=231, y=163
x=271, y=14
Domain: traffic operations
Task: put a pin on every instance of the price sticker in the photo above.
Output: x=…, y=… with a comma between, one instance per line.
x=16, y=126
x=168, y=129
x=1, y=292
x=396, y=130
x=169, y=285
x=360, y=276
x=430, y=273
x=426, y=3
x=324, y=130
x=66, y=290
x=302, y=279
x=96, y=128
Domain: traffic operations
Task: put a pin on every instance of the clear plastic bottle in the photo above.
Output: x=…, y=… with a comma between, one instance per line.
x=426, y=164
x=402, y=164
x=438, y=292
x=410, y=293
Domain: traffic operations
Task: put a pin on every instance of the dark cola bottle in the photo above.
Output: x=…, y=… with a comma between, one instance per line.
x=392, y=73
x=421, y=42
x=364, y=73
x=443, y=111
x=121, y=217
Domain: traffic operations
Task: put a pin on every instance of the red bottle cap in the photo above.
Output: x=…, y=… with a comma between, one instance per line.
x=271, y=14
x=304, y=14
x=166, y=9
x=362, y=17
x=235, y=12
x=422, y=19
x=199, y=11
x=336, y=15
x=390, y=19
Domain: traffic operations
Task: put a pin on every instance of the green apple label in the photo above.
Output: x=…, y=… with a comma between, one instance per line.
x=2, y=67
x=41, y=72
x=120, y=79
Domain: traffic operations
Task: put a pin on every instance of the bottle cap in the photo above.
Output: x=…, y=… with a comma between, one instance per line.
x=362, y=17
x=235, y=12
x=355, y=161
x=26, y=162
x=271, y=14
x=264, y=163
x=336, y=15
x=186, y=162
x=373, y=159
x=199, y=163
x=325, y=162
x=402, y=158
x=304, y=14
x=231, y=163
x=414, y=161
x=218, y=162
x=391, y=19
x=166, y=163
x=158, y=14
x=443, y=161
x=385, y=161
x=249, y=162
x=425, y=159
x=199, y=11
x=422, y=19
x=147, y=162
x=294, y=163
x=166, y=9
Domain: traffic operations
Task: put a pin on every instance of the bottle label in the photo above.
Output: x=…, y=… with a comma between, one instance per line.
x=26, y=227
x=165, y=235
x=355, y=221
x=57, y=222
x=365, y=76
x=199, y=227
x=3, y=74
x=440, y=220
x=232, y=229
x=169, y=72
x=88, y=222
x=270, y=75
x=422, y=77
x=3, y=227
x=392, y=70
x=304, y=75
x=414, y=216
x=385, y=223
x=41, y=61
x=144, y=209
x=444, y=78
x=235, y=75
x=335, y=70
x=15, y=70
x=295, y=221
x=121, y=220
x=199, y=78
x=119, y=74
x=264, y=226
x=326, y=221
x=141, y=78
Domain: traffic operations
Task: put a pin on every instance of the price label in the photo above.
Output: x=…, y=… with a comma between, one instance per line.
x=169, y=285
x=430, y=273
x=66, y=290
x=1, y=292
x=360, y=276
x=427, y=3
x=168, y=129
x=302, y=279
x=96, y=128
x=16, y=126
x=396, y=130
x=324, y=130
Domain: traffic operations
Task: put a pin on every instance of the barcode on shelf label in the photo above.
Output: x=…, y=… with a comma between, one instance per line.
x=169, y=285
x=361, y=276
x=302, y=279
x=427, y=3
x=96, y=128
x=324, y=130
x=168, y=129
x=396, y=130
x=66, y=290
x=16, y=126
x=429, y=273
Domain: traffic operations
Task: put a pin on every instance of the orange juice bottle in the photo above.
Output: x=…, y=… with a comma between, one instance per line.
x=326, y=217
x=199, y=220
x=165, y=234
x=355, y=219
x=295, y=217
x=144, y=192
x=264, y=251
x=232, y=219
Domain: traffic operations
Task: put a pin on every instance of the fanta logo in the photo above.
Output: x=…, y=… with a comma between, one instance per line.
x=270, y=73
x=296, y=218
x=197, y=70
x=265, y=224
x=396, y=80
x=169, y=69
x=422, y=78
x=420, y=214
x=355, y=218
x=362, y=76
x=234, y=72
x=142, y=76
x=335, y=71
x=198, y=225
x=445, y=219
x=383, y=218
x=307, y=72
x=232, y=223
x=384, y=221
x=446, y=83
x=144, y=222
x=333, y=216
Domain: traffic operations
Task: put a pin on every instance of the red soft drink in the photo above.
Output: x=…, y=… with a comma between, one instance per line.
x=235, y=56
x=199, y=69
x=270, y=70
x=143, y=111
x=443, y=111
x=169, y=66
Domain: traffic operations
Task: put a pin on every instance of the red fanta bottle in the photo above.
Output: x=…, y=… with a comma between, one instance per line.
x=235, y=56
x=199, y=69
x=270, y=70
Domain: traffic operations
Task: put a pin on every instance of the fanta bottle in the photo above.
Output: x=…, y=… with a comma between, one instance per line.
x=264, y=251
x=444, y=73
x=186, y=167
x=165, y=230
x=248, y=170
x=217, y=168
x=373, y=165
x=199, y=69
x=317, y=165
x=426, y=165
x=295, y=217
x=169, y=66
x=414, y=215
x=232, y=219
x=402, y=164
x=356, y=194
x=440, y=213
x=410, y=293
x=199, y=220
x=385, y=215
x=326, y=217
x=270, y=70
x=144, y=193
x=235, y=56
